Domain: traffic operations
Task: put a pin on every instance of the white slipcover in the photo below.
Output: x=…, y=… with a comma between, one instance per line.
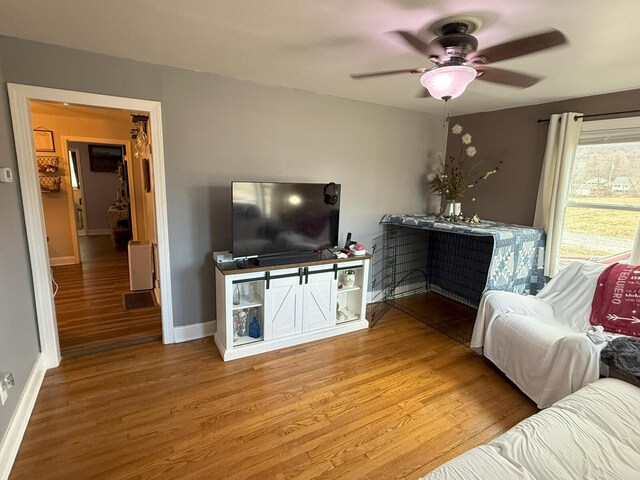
x=539, y=341
x=591, y=434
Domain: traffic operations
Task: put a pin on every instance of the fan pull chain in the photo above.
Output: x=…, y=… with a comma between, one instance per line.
x=445, y=128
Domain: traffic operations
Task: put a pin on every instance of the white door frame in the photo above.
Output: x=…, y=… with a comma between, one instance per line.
x=79, y=174
x=19, y=97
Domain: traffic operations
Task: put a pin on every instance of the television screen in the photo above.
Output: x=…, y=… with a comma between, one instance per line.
x=105, y=158
x=277, y=218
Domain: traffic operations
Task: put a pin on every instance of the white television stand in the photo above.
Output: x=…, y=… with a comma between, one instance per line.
x=294, y=303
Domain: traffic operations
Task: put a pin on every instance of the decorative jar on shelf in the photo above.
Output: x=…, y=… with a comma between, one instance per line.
x=242, y=323
x=349, y=278
x=235, y=326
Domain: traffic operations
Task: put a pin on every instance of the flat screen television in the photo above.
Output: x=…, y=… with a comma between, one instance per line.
x=105, y=158
x=281, y=218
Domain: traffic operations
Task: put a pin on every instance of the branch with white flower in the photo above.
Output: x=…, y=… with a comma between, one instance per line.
x=451, y=179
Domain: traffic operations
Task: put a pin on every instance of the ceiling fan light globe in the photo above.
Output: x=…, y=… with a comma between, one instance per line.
x=448, y=81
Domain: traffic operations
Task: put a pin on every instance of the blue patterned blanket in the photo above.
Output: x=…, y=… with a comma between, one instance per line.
x=518, y=251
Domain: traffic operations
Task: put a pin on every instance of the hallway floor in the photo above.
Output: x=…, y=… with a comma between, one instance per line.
x=89, y=307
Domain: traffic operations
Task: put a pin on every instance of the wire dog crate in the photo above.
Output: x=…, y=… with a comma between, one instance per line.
x=415, y=263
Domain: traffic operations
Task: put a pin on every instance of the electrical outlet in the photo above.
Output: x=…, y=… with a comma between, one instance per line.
x=6, y=382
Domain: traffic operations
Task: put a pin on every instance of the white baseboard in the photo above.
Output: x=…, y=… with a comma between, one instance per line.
x=98, y=231
x=57, y=261
x=18, y=424
x=193, y=332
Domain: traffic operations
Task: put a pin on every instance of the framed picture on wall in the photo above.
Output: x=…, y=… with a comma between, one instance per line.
x=105, y=158
x=43, y=140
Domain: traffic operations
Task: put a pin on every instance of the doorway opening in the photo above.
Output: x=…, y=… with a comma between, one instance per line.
x=95, y=218
x=99, y=237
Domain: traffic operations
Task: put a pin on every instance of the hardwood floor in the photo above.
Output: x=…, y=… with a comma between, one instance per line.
x=391, y=402
x=89, y=307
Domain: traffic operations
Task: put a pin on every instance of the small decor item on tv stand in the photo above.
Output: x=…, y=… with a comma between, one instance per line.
x=242, y=323
x=236, y=318
x=236, y=295
x=254, y=327
x=349, y=278
x=357, y=249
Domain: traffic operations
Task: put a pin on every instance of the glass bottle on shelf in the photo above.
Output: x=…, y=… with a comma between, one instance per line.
x=235, y=326
x=236, y=295
x=242, y=323
x=254, y=327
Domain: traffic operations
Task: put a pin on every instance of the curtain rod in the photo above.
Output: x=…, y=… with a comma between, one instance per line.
x=576, y=117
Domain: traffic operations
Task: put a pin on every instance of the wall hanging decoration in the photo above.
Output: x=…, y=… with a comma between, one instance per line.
x=50, y=184
x=43, y=140
x=48, y=164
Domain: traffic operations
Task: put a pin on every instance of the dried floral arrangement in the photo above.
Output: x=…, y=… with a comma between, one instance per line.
x=452, y=178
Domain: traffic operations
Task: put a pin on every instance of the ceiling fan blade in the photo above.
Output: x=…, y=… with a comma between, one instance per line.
x=520, y=47
x=423, y=93
x=425, y=48
x=505, y=77
x=389, y=72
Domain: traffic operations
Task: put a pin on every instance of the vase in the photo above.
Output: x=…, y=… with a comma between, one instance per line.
x=452, y=208
x=236, y=295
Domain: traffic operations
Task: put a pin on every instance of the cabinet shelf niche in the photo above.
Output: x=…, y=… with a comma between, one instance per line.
x=248, y=302
x=349, y=289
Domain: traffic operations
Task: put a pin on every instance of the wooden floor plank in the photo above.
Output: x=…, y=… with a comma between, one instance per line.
x=89, y=309
x=391, y=402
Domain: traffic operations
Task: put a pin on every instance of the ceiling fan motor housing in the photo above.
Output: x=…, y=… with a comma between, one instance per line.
x=456, y=42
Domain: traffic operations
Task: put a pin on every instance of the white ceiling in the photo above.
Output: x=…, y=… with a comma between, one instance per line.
x=314, y=45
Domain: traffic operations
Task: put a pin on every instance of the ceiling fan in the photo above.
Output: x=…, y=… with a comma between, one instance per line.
x=454, y=51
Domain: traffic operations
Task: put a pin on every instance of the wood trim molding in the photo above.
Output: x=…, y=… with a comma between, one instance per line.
x=18, y=424
x=34, y=225
x=98, y=231
x=186, y=333
x=57, y=261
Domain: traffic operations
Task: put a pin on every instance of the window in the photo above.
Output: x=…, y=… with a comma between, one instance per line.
x=603, y=208
x=73, y=163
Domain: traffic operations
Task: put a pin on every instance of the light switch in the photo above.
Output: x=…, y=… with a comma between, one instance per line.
x=6, y=175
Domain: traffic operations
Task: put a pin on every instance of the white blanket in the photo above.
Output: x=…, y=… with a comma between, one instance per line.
x=540, y=342
x=592, y=434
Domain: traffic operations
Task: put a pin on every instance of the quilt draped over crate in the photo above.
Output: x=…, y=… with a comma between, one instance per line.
x=518, y=251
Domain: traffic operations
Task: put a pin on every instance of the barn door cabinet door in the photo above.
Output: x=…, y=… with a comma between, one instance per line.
x=319, y=301
x=283, y=308
x=300, y=304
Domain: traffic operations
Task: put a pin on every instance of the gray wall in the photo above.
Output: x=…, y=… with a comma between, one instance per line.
x=514, y=136
x=18, y=331
x=219, y=129
x=99, y=190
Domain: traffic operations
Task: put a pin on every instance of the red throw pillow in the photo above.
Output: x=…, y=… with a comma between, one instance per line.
x=616, y=301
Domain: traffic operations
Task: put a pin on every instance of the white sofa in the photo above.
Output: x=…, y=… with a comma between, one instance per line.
x=540, y=342
x=591, y=434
